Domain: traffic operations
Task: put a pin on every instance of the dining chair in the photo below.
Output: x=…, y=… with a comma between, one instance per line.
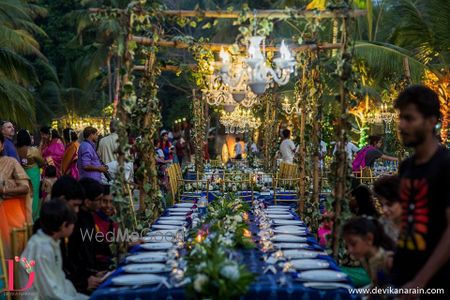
x=286, y=190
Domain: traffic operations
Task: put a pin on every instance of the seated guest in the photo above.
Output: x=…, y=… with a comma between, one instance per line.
x=366, y=241
x=386, y=188
x=57, y=221
x=361, y=202
x=66, y=188
x=107, y=227
x=84, y=274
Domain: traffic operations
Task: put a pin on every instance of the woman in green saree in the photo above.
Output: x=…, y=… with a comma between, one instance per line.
x=31, y=160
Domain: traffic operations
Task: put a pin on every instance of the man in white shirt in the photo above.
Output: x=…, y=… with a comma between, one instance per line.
x=107, y=147
x=287, y=147
x=350, y=148
x=57, y=220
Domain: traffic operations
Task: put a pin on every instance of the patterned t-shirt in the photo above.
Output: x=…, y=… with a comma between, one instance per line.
x=425, y=197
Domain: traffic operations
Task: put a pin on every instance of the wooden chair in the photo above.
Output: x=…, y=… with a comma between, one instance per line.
x=286, y=188
x=19, y=239
x=265, y=179
x=244, y=188
x=173, y=181
x=191, y=190
x=4, y=272
x=215, y=163
x=178, y=172
x=365, y=176
x=287, y=170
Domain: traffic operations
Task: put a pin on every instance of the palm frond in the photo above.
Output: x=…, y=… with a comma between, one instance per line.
x=45, y=71
x=20, y=41
x=384, y=58
x=16, y=67
x=11, y=10
x=17, y=103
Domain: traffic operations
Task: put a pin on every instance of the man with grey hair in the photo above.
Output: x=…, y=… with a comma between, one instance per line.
x=107, y=147
x=8, y=146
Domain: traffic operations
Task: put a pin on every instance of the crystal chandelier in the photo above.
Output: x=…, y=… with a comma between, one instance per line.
x=254, y=69
x=239, y=121
x=289, y=109
x=384, y=115
x=218, y=93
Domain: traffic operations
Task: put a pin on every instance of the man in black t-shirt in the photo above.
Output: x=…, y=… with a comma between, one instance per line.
x=423, y=248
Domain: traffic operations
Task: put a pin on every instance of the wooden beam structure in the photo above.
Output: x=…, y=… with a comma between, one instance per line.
x=168, y=68
x=270, y=13
x=216, y=47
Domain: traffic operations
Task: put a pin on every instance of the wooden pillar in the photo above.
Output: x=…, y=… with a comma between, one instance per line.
x=341, y=169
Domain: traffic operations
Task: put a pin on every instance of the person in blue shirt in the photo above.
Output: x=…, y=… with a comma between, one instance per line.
x=8, y=147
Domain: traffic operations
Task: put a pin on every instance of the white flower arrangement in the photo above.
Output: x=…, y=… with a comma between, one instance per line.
x=200, y=281
x=230, y=272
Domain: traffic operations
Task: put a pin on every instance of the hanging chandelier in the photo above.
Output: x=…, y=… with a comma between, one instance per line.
x=217, y=93
x=383, y=115
x=239, y=121
x=289, y=108
x=254, y=70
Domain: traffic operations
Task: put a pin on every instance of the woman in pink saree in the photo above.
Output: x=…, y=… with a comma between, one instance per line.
x=52, y=148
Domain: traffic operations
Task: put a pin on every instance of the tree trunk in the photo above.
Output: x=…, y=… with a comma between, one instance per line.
x=341, y=166
x=407, y=70
x=117, y=85
x=301, y=162
x=110, y=88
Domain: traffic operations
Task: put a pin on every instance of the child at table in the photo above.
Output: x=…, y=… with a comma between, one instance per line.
x=57, y=221
x=366, y=240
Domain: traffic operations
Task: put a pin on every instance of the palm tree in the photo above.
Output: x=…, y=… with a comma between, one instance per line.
x=17, y=74
x=415, y=41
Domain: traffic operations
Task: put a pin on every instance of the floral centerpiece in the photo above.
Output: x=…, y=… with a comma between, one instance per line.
x=212, y=263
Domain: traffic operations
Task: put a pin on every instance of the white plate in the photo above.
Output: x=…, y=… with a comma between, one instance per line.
x=146, y=268
x=171, y=222
x=157, y=246
x=293, y=254
x=277, y=212
x=179, y=209
x=284, y=207
x=163, y=226
x=181, y=213
x=179, y=218
x=291, y=227
x=288, y=238
x=184, y=205
x=162, y=238
x=309, y=264
x=162, y=232
x=288, y=222
x=292, y=231
x=280, y=217
x=137, y=279
x=322, y=276
x=291, y=245
x=326, y=285
x=147, y=257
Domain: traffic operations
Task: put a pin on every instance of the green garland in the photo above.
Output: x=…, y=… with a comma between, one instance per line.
x=205, y=59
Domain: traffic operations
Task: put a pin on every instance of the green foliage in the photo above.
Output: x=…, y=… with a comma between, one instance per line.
x=213, y=272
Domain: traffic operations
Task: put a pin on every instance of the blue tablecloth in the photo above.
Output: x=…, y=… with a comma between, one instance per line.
x=266, y=286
